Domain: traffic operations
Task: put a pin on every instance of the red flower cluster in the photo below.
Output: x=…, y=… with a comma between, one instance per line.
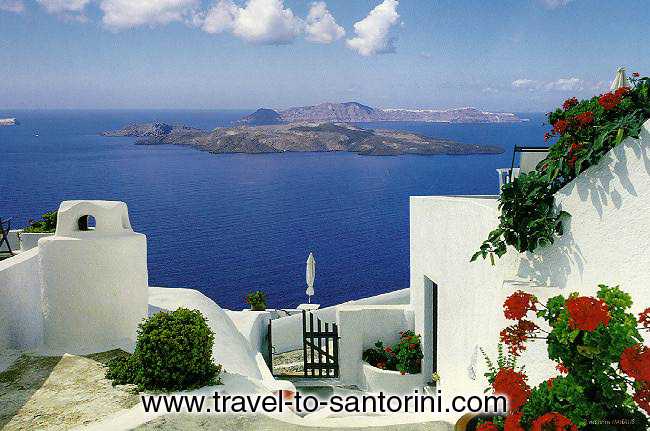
x=642, y=398
x=515, y=336
x=512, y=384
x=569, y=103
x=635, y=362
x=636, y=74
x=584, y=119
x=587, y=313
x=518, y=304
x=513, y=422
x=644, y=318
x=620, y=92
x=553, y=422
x=560, y=126
x=609, y=100
x=487, y=426
x=562, y=368
x=549, y=383
x=572, y=157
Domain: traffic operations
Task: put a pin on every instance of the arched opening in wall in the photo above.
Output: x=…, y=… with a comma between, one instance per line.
x=86, y=222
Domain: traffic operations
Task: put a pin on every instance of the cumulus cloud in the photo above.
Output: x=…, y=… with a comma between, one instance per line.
x=320, y=25
x=121, y=14
x=64, y=6
x=14, y=6
x=373, y=32
x=524, y=83
x=265, y=22
x=554, y=4
x=566, y=84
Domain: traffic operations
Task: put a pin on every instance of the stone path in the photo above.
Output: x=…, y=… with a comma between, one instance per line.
x=59, y=393
x=264, y=423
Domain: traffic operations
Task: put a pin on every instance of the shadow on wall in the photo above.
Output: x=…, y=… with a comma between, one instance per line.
x=594, y=199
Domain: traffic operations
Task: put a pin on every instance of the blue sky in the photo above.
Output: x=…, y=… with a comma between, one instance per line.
x=499, y=55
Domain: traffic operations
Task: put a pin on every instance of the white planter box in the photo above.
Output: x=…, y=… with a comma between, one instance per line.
x=390, y=382
x=30, y=240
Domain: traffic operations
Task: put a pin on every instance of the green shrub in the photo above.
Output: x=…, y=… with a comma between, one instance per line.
x=405, y=356
x=46, y=225
x=257, y=300
x=173, y=352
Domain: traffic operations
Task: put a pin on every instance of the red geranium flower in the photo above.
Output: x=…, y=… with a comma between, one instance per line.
x=569, y=103
x=549, y=383
x=644, y=318
x=587, y=313
x=518, y=304
x=560, y=126
x=609, y=101
x=562, y=368
x=388, y=349
x=513, y=422
x=636, y=74
x=553, y=422
x=642, y=398
x=512, y=384
x=585, y=118
x=620, y=92
x=635, y=362
x=516, y=335
x=487, y=426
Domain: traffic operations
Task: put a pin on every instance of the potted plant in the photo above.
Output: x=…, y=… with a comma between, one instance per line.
x=394, y=369
x=36, y=230
x=257, y=300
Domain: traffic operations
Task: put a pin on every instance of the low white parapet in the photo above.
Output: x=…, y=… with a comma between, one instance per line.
x=389, y=381
x=29, y=240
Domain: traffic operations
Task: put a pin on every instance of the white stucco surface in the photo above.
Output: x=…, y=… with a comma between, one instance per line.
x=287, y=331
x=388, y=381
x=94, y=282
x=29, y=240
x=605, y=241
x=360, y=327
x=21, y=321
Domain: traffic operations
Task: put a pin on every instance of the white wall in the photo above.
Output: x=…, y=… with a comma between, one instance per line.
x=360, y=327
x=287, y=331
x=21, y=321
x=606, y=241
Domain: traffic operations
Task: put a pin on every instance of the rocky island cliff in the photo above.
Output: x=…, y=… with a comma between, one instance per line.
x=354, y=112
x=298, y=137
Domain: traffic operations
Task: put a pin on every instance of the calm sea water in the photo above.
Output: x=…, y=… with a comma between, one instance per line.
x=229, y=224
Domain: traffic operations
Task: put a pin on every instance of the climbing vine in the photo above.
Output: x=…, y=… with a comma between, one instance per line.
x=585, y=131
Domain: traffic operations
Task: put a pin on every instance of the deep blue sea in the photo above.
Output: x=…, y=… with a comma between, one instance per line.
x=233, y=223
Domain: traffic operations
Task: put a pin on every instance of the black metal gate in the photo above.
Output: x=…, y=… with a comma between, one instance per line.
x=320, y=346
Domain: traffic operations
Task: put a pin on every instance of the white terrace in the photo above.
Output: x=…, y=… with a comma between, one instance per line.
x=85, y=290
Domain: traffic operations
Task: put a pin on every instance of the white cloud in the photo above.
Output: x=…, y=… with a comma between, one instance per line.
x=490, y=90
x=320, y=26
x=265, y=22
x=15, y=6
x=64, y=6
x=566, y=84
x=524, y=83
x=373, y=32
x=120, y=14
x=554, y=4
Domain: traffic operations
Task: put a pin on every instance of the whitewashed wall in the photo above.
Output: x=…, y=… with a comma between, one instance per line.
x=21, y=321
x=606, y=241
x=287, y=331
x=360, y=327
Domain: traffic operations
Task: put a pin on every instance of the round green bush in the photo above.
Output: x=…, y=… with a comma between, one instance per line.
x=173, y=352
